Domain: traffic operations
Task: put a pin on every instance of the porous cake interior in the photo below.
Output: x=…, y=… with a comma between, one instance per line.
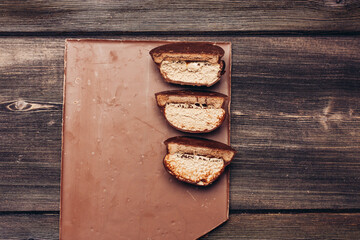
x=194, y=168
x=194, y=117
x=202, y=73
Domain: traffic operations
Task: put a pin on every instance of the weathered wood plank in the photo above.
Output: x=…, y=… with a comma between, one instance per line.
x=188, y=16
x=30, y=137
x=239, y=226
x=29, y=196
x=30, y=124
x=44, y=75
x=289, y=226
x=29, y=226
x=295, y=122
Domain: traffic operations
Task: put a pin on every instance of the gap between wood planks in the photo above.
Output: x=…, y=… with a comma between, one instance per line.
x=182, y=33
x=233, y=211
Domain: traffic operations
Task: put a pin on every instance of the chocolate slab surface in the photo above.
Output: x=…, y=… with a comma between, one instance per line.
x=113, y=184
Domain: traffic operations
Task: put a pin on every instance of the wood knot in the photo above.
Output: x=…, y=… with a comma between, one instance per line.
x=21, y=105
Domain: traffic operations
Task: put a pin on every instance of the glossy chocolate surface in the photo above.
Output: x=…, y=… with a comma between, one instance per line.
x=114, y=185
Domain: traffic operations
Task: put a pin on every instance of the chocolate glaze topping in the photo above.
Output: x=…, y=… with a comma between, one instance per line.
x=198, y=142
x=192, y=93
x=189, y=47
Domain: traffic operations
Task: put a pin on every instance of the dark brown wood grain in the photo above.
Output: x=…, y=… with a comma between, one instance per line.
x=31, y=76
x=179, y=16
x=295, y=122
x=289, y=226
x=239, y=226
x=30, y=156
x=29, y=226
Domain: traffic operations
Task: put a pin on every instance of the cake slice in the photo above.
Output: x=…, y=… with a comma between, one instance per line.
x=192, y=111
x=196, y=160
x=189, y=63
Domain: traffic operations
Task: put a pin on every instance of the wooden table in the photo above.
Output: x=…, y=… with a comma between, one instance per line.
x=295, y=107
